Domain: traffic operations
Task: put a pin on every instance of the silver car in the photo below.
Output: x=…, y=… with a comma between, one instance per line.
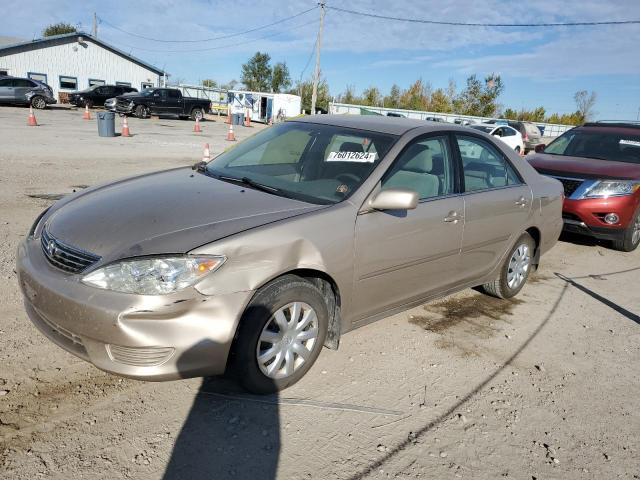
x=24, y=91
x=307, y=230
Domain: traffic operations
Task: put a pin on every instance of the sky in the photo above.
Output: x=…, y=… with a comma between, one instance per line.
x=539, y=66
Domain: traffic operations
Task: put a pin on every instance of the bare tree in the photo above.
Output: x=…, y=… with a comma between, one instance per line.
x=585, y=102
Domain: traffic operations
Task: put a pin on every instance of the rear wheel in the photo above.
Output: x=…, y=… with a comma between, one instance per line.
x=38, y=102
x=197, y=113
x=281, y=334
x=142, y=111
x=630, y=239
x=514, y=271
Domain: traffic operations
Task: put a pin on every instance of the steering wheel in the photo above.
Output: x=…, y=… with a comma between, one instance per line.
x=349, y=178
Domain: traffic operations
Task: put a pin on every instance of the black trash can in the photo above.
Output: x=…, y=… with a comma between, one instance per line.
x=106, y=124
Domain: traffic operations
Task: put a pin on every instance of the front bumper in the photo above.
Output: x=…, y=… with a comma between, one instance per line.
x=165, y=337
x=586, y=216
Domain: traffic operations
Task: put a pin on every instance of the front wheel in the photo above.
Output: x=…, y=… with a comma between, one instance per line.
x=38, y=102
x=630, y=238
x=142, y=111
x=514, y=271
x=280, y=336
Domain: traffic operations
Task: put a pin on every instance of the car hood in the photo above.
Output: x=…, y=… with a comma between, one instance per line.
x=166, y=212
x=583, y=167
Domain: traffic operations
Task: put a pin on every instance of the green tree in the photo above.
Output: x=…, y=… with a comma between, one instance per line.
x=349, y=96
x=393, y=99
x=209, y=83
x=480, y=98
x=256, y=73
x=305, y=90
x=416, y=97
x=280, y=78
x=58, y=29
x=372, y=97
x=510, y=114
x=440, y=101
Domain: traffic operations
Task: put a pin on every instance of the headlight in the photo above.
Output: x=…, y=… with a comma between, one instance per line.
x=153, y=275
x=611, y=188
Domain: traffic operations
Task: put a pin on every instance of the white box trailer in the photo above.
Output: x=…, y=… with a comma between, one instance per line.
x=265, y=106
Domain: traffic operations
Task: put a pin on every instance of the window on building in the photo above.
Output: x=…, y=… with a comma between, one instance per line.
x=93, y=82
x=4, y=71
x=68, y=83
x=124, y=84
x=146, y=85
x=39, y=77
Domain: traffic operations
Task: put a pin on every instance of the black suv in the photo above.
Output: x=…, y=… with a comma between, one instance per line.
x=24, y=91
x=96, y=95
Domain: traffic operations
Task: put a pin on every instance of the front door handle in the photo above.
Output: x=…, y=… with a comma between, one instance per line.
x=453, y=217
x=522, y=202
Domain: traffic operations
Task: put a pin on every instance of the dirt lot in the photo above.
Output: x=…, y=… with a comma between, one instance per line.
x=543, y=387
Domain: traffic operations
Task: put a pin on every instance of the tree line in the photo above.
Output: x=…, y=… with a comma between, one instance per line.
x=479, y=97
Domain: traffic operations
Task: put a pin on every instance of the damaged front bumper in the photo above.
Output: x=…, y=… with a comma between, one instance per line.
x=146, y=337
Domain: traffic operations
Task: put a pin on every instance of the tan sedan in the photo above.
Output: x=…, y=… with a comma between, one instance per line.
x=255, y=261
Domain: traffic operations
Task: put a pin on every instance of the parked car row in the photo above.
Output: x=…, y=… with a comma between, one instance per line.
x=24, y=91
x=98, y=95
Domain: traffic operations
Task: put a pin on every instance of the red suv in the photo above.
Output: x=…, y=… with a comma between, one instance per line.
x=599, y=166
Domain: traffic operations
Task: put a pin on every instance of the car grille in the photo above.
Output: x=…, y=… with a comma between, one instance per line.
x=63, y=256
x=570, y=184
x=122, y=105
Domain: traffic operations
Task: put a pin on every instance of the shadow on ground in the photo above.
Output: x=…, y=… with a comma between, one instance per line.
x=221, y=439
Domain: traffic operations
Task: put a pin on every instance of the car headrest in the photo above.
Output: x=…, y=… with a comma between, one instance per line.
x=420, y=158
x=351, y=147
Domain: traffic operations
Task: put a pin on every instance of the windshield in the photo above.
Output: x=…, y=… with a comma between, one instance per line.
x=605, y=145
x=483, y=128
x=319, y=164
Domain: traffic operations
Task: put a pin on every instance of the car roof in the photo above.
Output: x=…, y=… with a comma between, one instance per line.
x=374, y=123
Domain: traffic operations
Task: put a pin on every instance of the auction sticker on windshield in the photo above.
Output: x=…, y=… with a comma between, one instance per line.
x=360, y=157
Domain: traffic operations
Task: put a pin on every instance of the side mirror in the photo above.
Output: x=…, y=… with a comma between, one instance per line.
x=539, y=148
x=394, y=199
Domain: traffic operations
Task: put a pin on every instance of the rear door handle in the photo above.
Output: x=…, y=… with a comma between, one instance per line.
x=453, y=217
x=522, y=202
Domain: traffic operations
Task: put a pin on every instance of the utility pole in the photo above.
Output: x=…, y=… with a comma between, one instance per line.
x=316, y=74
x=94, y=32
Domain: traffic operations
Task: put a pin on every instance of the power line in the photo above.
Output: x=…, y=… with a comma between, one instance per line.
x=219, y=47
x=222, y=37
x=474, y=24
x=306, y=65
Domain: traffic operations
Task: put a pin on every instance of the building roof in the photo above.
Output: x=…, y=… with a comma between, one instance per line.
x=66, y=38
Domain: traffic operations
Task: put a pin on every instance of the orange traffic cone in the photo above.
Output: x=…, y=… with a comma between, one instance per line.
x=87, y=114
x=230, y=135
x=125, y=128
x=228, y=120
x=247, y=118
x=196, y=127
x=270, y=121
x=206, y=156
x=31, y=121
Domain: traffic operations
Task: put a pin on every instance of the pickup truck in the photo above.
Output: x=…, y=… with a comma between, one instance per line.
x=161, y=101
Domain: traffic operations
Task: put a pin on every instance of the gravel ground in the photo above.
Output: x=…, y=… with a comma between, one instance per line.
x=542, y=387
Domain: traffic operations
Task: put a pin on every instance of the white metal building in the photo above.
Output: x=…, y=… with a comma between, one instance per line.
x=75, y=61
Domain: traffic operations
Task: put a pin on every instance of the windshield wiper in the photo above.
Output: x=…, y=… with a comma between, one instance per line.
x=250, y=183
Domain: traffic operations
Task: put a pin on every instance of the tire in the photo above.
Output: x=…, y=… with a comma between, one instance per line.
x=259, y=320
x=501, y=287
x=38, y=102
x=88, y=103
x=197, y=113
x=518, y=150
x=142, y=111
x=630, y=238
